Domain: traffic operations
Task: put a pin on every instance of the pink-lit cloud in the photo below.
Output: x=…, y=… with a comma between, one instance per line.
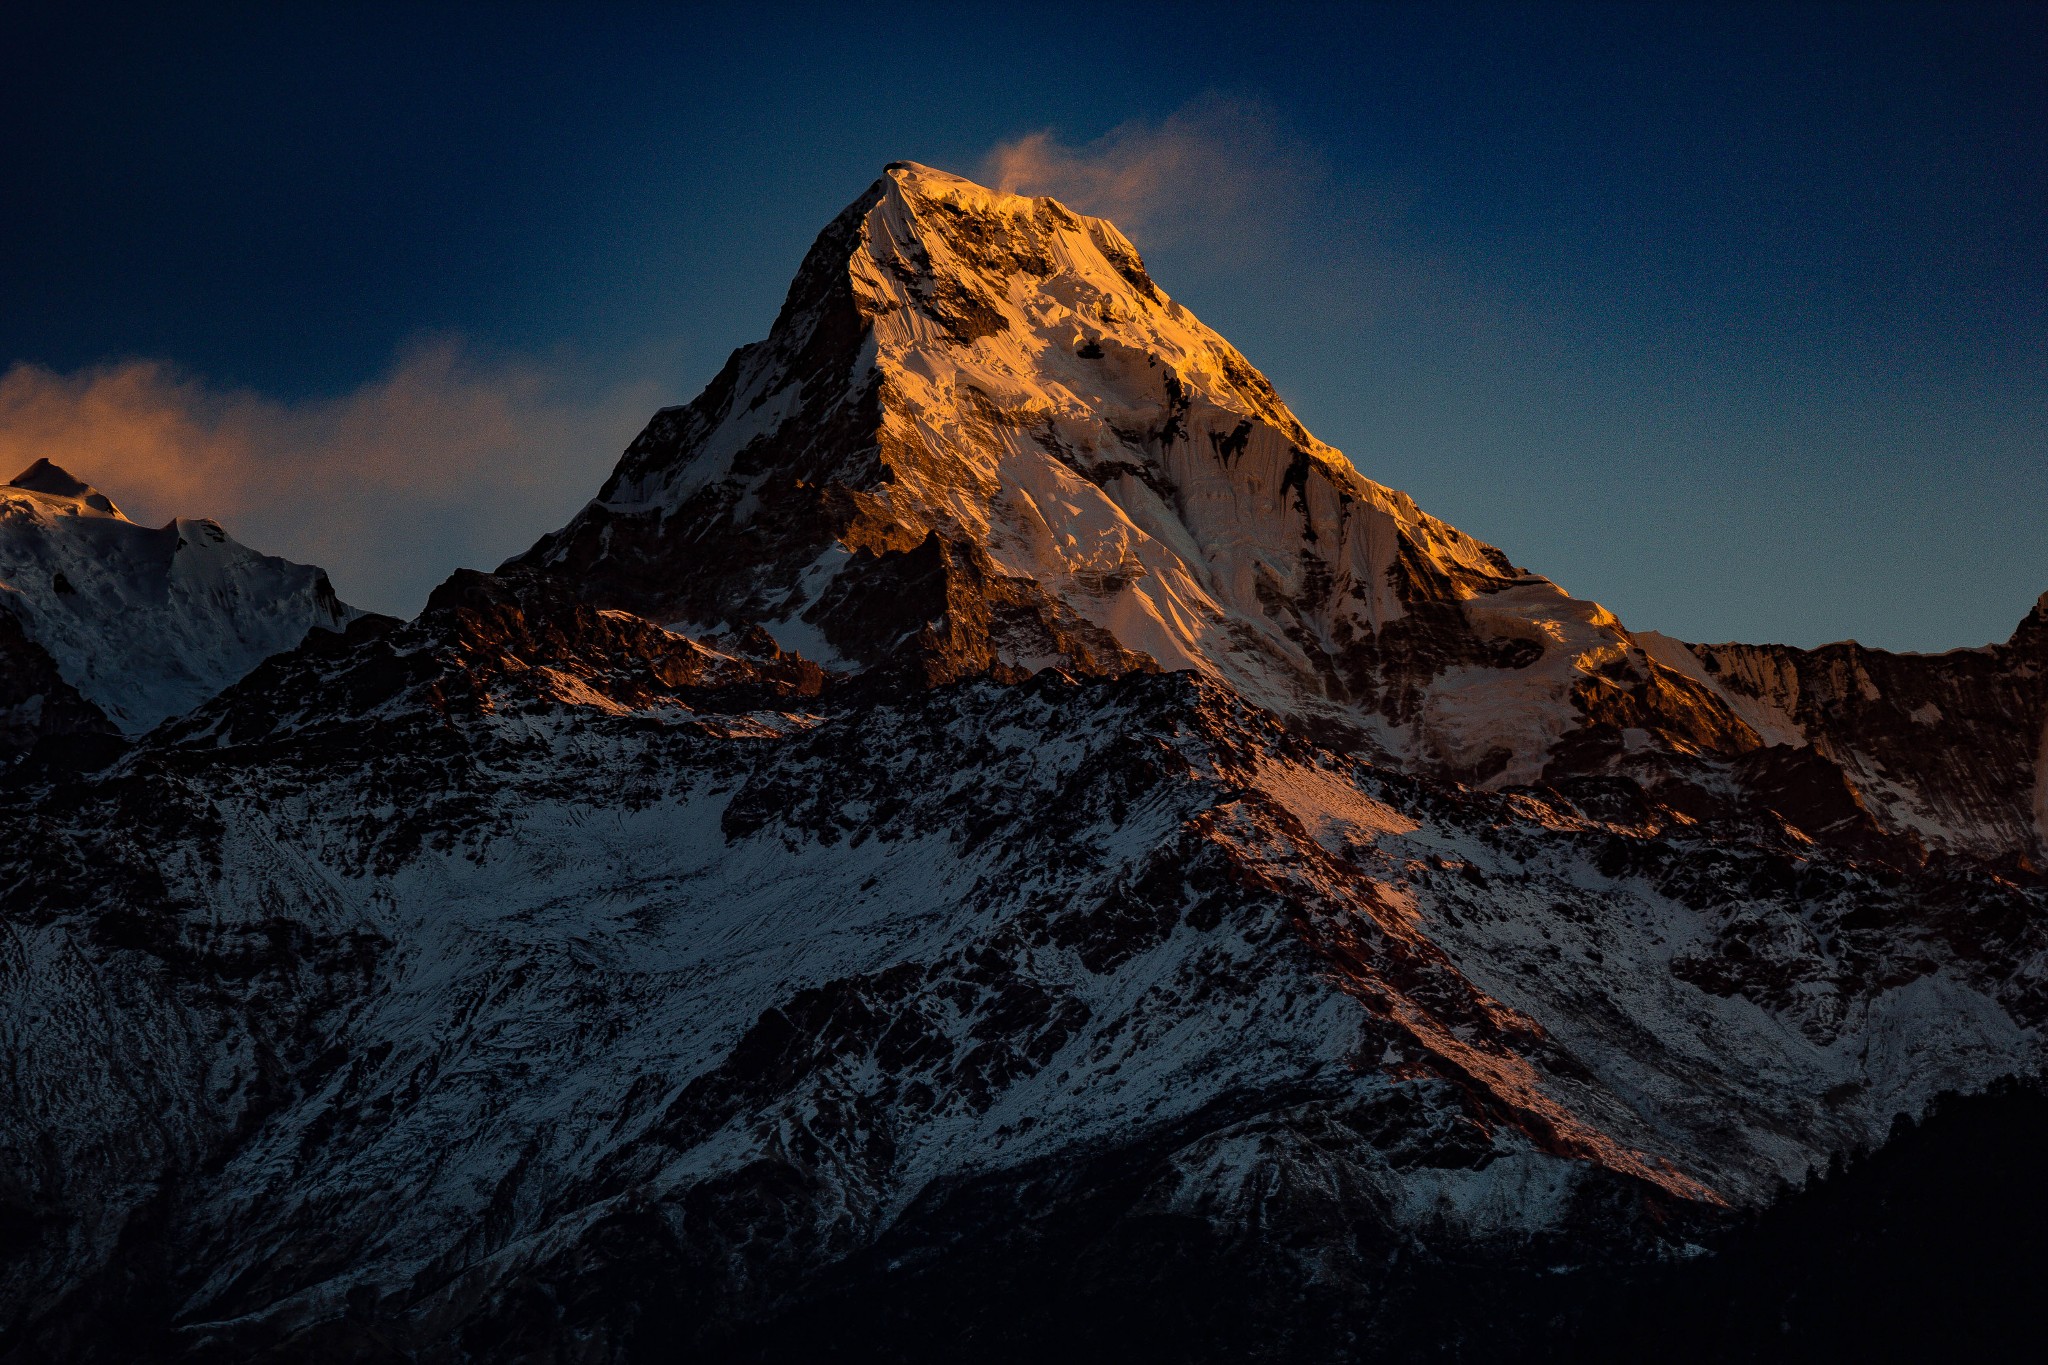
x=445, y=460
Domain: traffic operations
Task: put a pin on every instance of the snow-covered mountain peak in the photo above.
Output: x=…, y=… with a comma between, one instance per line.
x=56, y=484
x=981, y=439
x=146, y=623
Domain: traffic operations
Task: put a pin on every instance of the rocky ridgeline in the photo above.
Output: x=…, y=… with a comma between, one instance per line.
x=984, y=836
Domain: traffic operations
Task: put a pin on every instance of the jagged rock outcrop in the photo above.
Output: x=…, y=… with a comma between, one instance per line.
x=35, y=701
x=1949, y=751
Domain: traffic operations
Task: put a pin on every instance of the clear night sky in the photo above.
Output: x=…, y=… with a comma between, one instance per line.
x=1733, y=318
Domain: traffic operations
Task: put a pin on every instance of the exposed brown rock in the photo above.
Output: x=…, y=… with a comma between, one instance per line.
x=1950, y=750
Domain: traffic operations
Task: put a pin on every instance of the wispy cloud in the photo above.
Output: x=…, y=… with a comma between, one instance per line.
x=445, y=460
x=1217, y=173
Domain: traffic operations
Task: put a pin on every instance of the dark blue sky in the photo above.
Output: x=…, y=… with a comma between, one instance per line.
x=1734, y=318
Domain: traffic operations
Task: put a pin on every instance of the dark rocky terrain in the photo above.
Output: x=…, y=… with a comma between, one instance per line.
x=987, y=838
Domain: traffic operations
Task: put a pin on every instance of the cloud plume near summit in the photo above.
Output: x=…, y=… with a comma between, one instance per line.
x=1218, y=172
x=445, y=460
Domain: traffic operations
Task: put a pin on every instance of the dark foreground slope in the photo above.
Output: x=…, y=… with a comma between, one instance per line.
x=1929, y=1247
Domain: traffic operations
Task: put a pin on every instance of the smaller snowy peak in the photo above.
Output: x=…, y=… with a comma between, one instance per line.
x=56, y=483
x=145, y=623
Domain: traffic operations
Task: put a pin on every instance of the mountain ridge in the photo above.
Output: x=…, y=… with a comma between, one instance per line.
x=1019, y=387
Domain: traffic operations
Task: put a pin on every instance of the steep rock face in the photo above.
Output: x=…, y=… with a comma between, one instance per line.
x=980, y=440
x=140, y=624
x=180, y=962
x=1945, y=751
x=979, y=409
x=35, y=701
